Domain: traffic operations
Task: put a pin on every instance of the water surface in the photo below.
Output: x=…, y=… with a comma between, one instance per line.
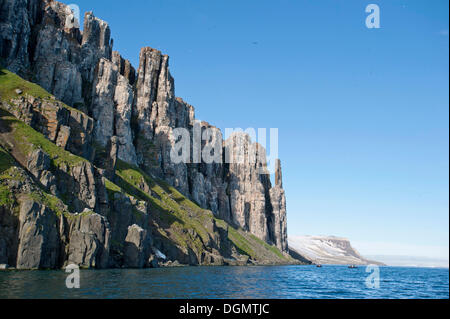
x=229, y=282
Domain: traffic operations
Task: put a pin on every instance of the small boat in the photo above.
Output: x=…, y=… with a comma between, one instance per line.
x=352, y=266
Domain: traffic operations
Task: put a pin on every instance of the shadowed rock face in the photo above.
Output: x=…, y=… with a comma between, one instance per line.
x=136, y=252
x=16, y=21
x=38, y=237
x=89, y=241
x=278, y=202
x=115, y=114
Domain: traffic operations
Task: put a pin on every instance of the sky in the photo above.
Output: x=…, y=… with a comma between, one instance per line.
x=362, y=113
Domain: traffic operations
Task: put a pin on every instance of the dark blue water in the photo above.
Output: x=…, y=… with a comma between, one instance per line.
x=230, y=282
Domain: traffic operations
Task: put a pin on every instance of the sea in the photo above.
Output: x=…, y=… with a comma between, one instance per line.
x=258, y=282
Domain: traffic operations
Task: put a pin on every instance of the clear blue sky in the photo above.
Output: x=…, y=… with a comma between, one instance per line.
x=362, y=114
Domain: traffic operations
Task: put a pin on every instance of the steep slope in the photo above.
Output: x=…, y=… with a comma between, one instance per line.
x=58, y=208
x=113, y=112
x=327, y=250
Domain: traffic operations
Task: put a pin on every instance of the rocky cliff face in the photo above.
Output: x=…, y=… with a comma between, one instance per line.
x=113, y=129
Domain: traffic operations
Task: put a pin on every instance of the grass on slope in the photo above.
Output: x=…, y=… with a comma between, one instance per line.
x=271, y=248
x=27, y=139
x=10, y=171
x=10, y=82
x=6, y=162
x=250, y=245
x=174, y=209
x=182, y=214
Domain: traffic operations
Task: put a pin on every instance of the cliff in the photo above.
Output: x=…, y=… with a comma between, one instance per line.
x=86, y=169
